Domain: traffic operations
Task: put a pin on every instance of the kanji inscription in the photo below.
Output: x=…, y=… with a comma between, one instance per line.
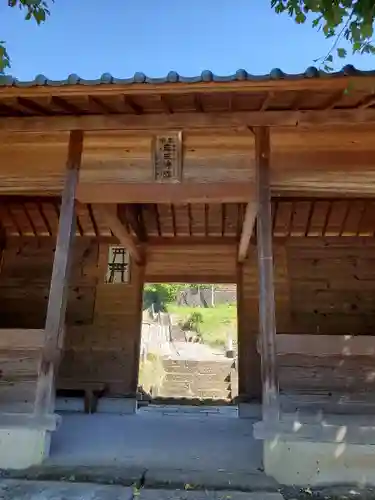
x=167, y=156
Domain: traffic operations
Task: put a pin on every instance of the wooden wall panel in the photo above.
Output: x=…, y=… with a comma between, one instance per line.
x=248, y=320
x=249, y=375
x=332, y=372
x=193, y=263
x=108, y=350
x=340, y=161
x=19, y=362
x=103, y=320
x=332, y=285
x=25, y=278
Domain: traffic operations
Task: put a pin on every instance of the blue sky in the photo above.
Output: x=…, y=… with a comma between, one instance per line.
x=91, y=37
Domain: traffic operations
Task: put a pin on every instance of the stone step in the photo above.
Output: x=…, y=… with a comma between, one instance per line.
x=198, y=378
x=192, y=390
x=203, y=367
x=199, y=394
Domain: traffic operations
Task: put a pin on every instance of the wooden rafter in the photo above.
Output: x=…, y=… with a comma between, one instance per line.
x=66, y=106
x=266, y=101
x=179, y=121
x=134, y=108
x=110, y=215
x=247, y=229
x=331, y=102
x=367, y=102
x=132, y=213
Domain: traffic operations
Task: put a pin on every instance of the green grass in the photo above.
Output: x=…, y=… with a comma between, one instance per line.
x=217, y=321
x=151, y=373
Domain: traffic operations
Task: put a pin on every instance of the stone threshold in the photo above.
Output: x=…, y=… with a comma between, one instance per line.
x=130, y=483
x=160, y=478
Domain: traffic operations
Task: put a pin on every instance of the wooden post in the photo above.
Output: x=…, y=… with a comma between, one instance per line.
x=140, y=274
x=267, y=318
x=57, y=302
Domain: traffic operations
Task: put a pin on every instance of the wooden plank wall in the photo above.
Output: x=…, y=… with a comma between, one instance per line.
x=20, y=351
x=25, y=279
x=323, y=286
x=332, y=284
x=335, y=373
x=35, y=162
x=108, y=350
x=194, y=263
x=248, y=320
x=103, y=320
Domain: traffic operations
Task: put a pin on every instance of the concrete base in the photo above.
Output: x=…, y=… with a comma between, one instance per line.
x=250, y=410
x=21, y=447
x=70, y=405
x=313, y=464
x=123, y=406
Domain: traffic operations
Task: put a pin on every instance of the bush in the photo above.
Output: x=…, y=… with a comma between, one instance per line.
x=160, y=294
x=193, y=322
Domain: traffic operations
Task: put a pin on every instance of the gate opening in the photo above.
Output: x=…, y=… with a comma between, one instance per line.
x=189, y=344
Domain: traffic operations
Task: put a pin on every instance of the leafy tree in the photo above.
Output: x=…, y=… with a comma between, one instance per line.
x=350, y=20
x=193, y=322
x=36, y=10
x=160, y=294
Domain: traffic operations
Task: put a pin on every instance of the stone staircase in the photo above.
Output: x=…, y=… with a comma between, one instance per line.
x=199, y=380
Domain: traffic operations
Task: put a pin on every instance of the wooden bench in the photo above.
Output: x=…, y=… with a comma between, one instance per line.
x=92, y=391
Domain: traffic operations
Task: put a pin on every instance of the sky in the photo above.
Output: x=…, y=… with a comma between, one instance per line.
x=121, y=37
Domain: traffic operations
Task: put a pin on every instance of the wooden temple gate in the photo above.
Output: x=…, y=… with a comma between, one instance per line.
x=268, y=183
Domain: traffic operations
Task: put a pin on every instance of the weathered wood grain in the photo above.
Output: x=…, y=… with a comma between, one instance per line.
x=57, y=302
x=168, y=263
x=267, y=318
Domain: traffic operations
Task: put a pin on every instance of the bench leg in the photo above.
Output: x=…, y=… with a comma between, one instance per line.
x=94, y=404
x=88, y=401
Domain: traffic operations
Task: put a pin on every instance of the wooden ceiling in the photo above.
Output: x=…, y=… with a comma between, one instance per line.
x=292, y=217
x=94, y=103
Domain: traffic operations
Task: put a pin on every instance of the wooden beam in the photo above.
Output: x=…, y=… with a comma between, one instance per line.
x=195, y=277
x=171, y=241
x=132, y=212
x=179, y=121
x=267, y=319
x=110, y=215
x=247, y=230
x=56, y=310
x=184, y=192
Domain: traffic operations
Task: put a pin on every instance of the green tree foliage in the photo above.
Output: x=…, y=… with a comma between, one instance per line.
x=160, y=294
x=341, y=20
x=36, y=10
x=193, y=322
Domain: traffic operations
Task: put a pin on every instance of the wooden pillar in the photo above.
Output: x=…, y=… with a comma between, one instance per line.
x=57, y=302
x=267, y=318
x=141, y=269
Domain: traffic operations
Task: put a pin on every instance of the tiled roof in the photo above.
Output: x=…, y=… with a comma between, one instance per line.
x=174, y=77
